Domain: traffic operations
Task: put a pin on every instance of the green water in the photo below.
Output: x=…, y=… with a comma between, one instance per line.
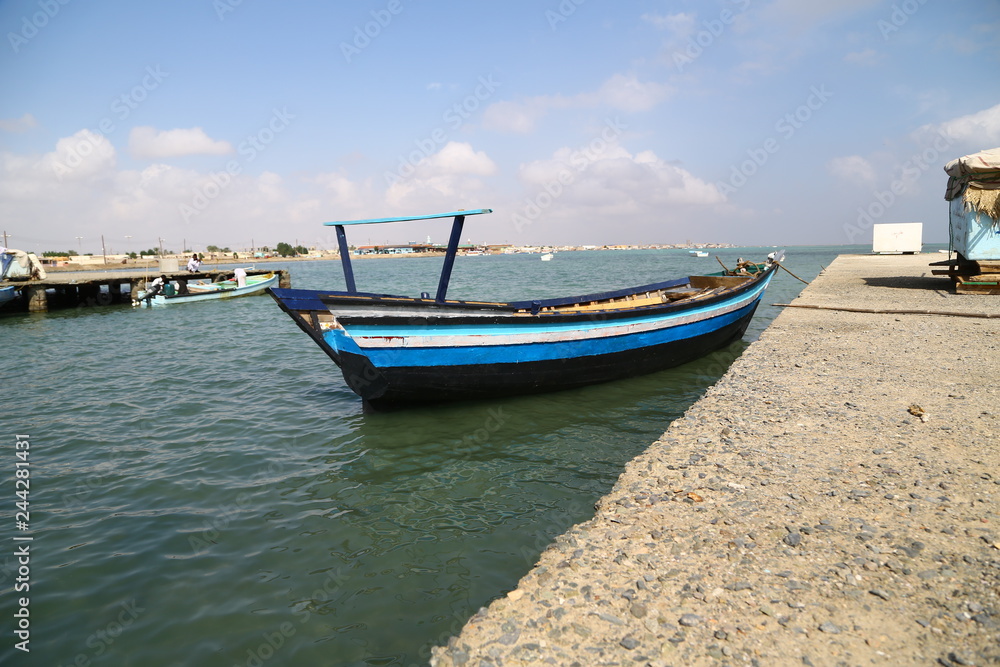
x=205, y=490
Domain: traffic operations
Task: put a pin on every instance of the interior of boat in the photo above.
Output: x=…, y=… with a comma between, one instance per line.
x=697, y=288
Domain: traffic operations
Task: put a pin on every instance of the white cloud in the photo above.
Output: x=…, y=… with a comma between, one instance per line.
x=146, y=142
x=976, y=38
x=679, y=26
x=85, y=155
x=22, y=124
x=627, y=93
x=609, y=173
x=341, y=188
x=609, y=189
x=624, y=92
x=773, y=37
x=604, y=187
x=807, y=15
x=980, y=129
x=853, y=169
x=78, y=189
x=514, y=117
x=457, y=158
x=451, y=178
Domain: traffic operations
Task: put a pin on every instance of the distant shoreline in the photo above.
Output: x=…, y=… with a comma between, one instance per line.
x=228, y=260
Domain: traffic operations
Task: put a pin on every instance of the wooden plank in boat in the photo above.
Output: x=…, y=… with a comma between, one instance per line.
x=718, y=281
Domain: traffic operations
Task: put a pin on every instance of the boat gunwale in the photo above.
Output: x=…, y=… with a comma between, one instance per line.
x=506, y=313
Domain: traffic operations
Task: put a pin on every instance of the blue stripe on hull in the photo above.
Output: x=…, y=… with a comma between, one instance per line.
x=409, y=384
x=510, y=354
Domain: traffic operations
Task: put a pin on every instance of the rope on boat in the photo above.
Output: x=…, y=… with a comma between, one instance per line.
x=792, y=274
x=888, y=311
x=744, y=268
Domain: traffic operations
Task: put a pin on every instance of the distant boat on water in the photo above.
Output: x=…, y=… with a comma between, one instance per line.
x=547, y=257
x=698, y=253
x=401, y=349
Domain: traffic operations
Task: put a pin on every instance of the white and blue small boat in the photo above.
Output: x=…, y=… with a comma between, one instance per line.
x=402, y=349
x=226, y=289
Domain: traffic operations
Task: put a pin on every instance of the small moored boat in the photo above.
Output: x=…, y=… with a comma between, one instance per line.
x=401, y=349
x=7, y=294
x=226, y=289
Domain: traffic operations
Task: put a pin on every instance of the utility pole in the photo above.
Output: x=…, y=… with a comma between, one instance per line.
x=5, y=238
x=104, y=250
x=161, y=246
x=79, y=239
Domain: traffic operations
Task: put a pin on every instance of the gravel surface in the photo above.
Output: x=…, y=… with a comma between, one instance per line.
x=831, y=501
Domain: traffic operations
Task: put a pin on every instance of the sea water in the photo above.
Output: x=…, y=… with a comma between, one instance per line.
x=206, y=490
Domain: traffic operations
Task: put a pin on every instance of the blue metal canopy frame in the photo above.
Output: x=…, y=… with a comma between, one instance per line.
x=450, y=253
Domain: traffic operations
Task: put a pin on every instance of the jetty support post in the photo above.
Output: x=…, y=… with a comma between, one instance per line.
x=37, y=299
x=449, y=257
x=345, y=258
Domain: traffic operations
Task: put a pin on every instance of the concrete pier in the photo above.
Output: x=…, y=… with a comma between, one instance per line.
x=833, y=500
x=75, y=289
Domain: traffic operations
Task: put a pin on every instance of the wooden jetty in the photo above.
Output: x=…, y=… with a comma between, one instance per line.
x=75, y=289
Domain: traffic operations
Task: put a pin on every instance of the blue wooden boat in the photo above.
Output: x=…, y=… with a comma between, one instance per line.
x=7, y=294
x=402, y=349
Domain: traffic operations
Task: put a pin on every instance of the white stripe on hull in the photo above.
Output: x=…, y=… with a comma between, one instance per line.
x=597, y=330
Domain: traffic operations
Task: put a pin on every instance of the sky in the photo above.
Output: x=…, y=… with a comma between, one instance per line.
x=246, y=123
